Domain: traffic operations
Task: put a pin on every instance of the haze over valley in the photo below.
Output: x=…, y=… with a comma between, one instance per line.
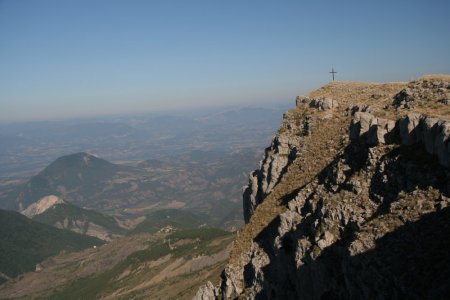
x=196, y=161
x=215, y=150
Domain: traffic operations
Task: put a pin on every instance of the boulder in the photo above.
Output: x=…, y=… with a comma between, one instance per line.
x=323, y=103
x=403, y=99
x=328, y=103
x=360, y=108
x=301, y=100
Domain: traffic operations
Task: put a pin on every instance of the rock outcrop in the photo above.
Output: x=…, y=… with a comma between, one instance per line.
x=411, y=129
x=321, y=103
x=371, y=129
x=282, y=151
x=361, y=211
x=277, y=158
x=422, y=90
x=42, y=205
x=207, y=292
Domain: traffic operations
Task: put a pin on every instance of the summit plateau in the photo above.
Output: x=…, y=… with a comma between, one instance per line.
x=351, y=200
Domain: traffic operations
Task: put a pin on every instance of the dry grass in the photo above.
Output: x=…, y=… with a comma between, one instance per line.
x=438, y=77
x=377, y=95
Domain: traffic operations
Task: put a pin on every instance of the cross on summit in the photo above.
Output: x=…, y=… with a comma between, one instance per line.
x=333, y=72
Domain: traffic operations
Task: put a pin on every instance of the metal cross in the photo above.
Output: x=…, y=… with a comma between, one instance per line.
x=333, y=72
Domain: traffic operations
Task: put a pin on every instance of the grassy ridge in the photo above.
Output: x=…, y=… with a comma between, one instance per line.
x=73, y=213
x=176, y=218
x=24, y=242
x=98, y=285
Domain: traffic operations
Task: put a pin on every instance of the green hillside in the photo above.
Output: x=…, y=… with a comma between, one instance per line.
x=80, y=174
x=176, y=218
x=25, y=242
x=66, y=212
x=197, y=242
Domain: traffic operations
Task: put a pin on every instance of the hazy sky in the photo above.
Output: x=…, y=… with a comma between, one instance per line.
x=74, y=58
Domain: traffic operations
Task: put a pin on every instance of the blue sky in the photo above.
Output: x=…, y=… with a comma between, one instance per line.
x=61, y=59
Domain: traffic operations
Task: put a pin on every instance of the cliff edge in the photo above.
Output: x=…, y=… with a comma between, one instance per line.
x=351, y=199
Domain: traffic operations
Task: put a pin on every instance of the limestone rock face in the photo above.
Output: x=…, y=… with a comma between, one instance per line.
x=282, y=152
x=372, y=130
x=360, y=124
x=275, y=162
x=322, y=103
x=442, y=142
x=414, y=128
x=408, y=127
x=372, y=222
x=325, y=238
x=206, y=292
x=383, y=131
x=431, y=132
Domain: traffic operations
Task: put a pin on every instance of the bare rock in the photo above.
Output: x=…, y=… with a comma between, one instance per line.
x=321, y=103
x=288, y=220
x=231, y=282
x=360, y=125
x=360, y=108
x=251, y=195
x=329, y=103
x=403, y=99
x=409, y=130
x=327, y=239
x=301, y=100
x=206, y=292
x=429, y=128
x=42, y=205
x=277, y=158
x=442, y=143
x=382, y=131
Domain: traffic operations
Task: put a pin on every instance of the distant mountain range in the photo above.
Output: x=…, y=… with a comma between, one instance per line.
x=135, y=137
x=203, y=182
x=77, y=178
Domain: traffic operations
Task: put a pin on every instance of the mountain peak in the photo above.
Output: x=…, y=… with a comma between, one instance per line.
x=72, y=177
x=82, y=157
x=78, y=164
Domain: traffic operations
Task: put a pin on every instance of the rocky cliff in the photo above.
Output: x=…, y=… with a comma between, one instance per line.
x=351, y=199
